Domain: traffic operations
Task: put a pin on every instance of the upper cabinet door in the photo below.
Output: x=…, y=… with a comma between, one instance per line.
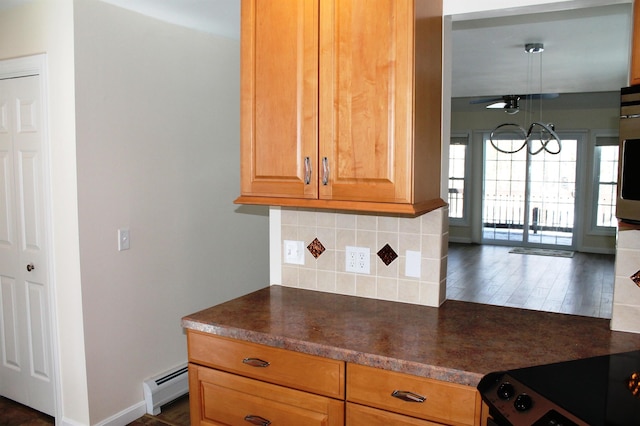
x=279, y=100
x=635, y=46
x=366, y=99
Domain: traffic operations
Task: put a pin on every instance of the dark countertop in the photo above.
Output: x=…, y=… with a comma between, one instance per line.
x=459, y=342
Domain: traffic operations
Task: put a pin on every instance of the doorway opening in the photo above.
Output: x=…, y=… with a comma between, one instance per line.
x=529, y=200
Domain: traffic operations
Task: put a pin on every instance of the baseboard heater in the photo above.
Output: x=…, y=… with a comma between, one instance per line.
x=165, y=387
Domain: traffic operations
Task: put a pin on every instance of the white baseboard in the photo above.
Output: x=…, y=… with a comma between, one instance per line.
x=126, y=416
x=67, y=422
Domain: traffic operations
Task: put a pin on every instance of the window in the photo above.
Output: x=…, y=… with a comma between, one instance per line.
x=457, y=174
x=605, y=183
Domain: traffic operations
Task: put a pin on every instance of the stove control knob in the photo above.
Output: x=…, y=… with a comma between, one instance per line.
x=523, y=402
x=506, y=390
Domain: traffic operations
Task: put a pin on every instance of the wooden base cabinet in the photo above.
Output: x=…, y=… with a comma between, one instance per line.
x=360, y=415
x=341, y=104
x=233, y=382
x=222, y=398
x=433, y=401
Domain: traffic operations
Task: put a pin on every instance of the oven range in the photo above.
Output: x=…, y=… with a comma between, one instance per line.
x=598, y=391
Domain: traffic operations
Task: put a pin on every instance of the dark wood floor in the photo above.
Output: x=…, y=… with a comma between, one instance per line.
x=175, y=413
x=581, y=285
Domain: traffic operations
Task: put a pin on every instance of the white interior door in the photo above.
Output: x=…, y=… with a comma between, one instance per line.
x=26, y=374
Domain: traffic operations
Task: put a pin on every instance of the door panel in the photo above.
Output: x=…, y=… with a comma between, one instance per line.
x=8, y=331
x=366, y=98
x=26, y=371
x=279, y=98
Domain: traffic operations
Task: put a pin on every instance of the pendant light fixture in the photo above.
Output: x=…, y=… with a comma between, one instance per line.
x=539, y=136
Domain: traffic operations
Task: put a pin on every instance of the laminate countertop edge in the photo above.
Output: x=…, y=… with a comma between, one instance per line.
x=341, y=354
x=458, y=342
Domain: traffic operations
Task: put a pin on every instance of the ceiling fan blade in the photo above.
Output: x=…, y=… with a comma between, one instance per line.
x=486, y=100
x=497, y=105
x=540, y=96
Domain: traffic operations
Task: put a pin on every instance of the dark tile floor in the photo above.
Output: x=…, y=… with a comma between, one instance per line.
x=175, y=413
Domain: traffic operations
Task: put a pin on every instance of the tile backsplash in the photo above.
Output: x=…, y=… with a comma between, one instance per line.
x=626, y=295
x=390, y=240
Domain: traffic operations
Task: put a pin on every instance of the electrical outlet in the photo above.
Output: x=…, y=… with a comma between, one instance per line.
x=294, y=252
x=357, y=259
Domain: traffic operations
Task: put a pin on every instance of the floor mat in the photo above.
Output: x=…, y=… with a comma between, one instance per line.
x=542, y=252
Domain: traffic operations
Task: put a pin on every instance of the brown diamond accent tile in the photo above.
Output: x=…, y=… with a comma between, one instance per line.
x=387, y=255
x=316, y=248
x=636, y=278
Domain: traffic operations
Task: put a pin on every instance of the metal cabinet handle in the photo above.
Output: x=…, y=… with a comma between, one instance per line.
x=325, y=171
x=408, y=396
x=256, y=420
x=307, y=170
x=30, y=267
x=255, y=362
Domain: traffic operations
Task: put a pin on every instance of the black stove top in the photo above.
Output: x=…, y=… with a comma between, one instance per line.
x=596, y=391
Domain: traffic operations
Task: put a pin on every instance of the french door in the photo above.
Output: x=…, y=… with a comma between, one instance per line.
x=529, y=200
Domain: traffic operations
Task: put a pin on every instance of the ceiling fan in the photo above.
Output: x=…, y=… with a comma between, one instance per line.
x=511, y=103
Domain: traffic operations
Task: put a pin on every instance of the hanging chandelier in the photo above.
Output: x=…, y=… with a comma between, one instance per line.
x=539, y=136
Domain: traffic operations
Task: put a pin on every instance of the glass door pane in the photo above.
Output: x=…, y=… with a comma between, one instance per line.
x=552, y=196
x=529, y=200
x=504, y=190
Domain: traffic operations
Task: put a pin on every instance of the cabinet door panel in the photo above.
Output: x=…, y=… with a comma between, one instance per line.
x=279, y=78
x=359, y=415
x=366, y=99
x=220, y=398
x=292, y=369
x=447, y=403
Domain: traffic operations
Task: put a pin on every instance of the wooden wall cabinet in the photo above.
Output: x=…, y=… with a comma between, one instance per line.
x=635, y=45
x=341, y=104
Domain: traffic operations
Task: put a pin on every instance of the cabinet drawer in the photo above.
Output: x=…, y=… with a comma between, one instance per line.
x=228, y=399
x=359, y=415
x=292, y=369
x=444, y=402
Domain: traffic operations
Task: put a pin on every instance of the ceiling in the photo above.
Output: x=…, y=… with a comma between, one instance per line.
x=586, y=51
x=586, y=48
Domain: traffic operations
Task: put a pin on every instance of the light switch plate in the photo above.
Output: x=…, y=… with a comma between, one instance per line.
x=412, y=264
x=123, y=239
x=294, y=252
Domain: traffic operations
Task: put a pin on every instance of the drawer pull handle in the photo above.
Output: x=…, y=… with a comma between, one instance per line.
x=408, y=396
x=256, y=420
x=325, y=171
x=307, y=170
x=255, y=362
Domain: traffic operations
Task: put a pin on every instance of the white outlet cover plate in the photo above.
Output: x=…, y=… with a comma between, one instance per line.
x=357, y=259
x=294, y=252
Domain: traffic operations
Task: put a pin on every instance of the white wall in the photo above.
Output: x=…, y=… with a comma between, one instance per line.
x=158, y=152
x=46, y=26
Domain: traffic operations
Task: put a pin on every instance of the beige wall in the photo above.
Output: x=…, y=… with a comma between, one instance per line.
x=158, y=152
x=46, y=26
